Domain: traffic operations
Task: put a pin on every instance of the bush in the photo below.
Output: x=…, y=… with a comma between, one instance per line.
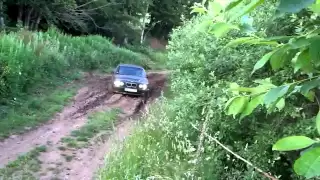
x=27, y=58
x=202, y=70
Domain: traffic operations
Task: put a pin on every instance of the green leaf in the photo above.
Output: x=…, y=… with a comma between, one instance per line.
x=233, y=4
x=278, y=58
x=318, y=122
x=293, y=6
x=314, y=50
x=214, y=8
x=275, y=93
x=310, y=96
x=303, y=61
x=315, y=8
x=220, y=29
x=237, y=105
x=199, y=10
x=253, y=103
x=280, y=104
x=308, y=164
x=246, y=9
x=307, y=86
x=262, y=61
x=297, y=43
x=292, y=143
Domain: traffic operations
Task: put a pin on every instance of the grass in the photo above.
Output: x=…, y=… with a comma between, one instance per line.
x=98, y=122
x=148, y=152
x=24, y=167
x=37, y=107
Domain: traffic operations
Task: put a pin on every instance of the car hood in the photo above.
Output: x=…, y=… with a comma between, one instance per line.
x=129, y=78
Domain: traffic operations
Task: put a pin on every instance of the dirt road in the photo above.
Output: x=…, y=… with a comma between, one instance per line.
x=91, y=98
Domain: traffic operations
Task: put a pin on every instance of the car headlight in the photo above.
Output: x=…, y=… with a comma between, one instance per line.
x=143, y=86
x=118, y=83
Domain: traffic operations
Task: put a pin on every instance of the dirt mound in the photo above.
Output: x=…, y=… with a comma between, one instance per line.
x=91, y=98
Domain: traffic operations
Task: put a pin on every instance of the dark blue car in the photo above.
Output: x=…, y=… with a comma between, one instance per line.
x=130, y=79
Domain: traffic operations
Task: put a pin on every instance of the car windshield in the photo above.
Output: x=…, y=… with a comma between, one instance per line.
x=132, y=71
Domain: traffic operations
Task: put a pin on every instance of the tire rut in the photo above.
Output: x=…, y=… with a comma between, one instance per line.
x=91, y=98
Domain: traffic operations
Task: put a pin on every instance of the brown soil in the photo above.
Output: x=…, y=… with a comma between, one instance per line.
x=85, y=161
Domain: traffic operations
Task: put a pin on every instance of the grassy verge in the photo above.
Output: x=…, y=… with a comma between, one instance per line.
x=37, y=107
x=24, y=167
x=149, y=152
x=98, y=122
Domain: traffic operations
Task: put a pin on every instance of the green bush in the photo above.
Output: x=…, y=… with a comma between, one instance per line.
x=27, y=58
x=202, y=70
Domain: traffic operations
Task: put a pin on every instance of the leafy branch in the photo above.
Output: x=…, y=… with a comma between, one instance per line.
x=300, y=51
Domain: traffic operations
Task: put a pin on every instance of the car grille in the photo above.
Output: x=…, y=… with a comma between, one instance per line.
x=131, y=85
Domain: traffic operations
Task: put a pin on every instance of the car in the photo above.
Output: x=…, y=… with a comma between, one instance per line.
x=130, y=79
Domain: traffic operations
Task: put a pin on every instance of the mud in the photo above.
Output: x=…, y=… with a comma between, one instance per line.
x=93, y=96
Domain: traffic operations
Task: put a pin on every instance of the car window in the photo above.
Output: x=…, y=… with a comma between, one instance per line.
x=132, y=71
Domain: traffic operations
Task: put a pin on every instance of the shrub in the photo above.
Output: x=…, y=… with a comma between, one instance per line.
x=203, y=68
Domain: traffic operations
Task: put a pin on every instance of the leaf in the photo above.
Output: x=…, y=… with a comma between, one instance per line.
x=280, y=104
x=314, y=50
x=308, y=164
x=293, y=6
x=315, y=8
x=275, y=93
x=299, y=43
x=318, y=122
x=248, y=8
x=253, y=103
x=307, y=86
x=237, y=105
x=292, y=143
x=233, y=4
x=220, y=29
x=214, y=8
x=262, y=61
x=199, y=10
x=278, y=59
x=310, y=96
x=303, y=62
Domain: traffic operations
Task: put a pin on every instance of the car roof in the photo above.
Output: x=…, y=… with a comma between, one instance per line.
x=130, y=65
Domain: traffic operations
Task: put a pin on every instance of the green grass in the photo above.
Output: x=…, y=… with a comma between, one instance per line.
x=37, y=107
x=98, y=122
x=24, y=167
x=148, y=152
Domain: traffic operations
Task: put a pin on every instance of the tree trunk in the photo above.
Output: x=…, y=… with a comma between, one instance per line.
x=143, y=25
x=1, y=16
x=37, y=22
x=27, y=19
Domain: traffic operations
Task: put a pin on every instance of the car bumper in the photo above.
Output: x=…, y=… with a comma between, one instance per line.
x=123, y=91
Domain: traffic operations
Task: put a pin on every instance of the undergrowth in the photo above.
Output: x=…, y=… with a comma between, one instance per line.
x=168, y=146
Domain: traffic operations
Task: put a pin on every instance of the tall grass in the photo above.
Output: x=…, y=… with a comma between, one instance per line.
x=29, y=57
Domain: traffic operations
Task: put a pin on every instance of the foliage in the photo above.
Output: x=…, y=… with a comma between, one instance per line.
x=299, y=51
x=122, y=19
x=205, y=57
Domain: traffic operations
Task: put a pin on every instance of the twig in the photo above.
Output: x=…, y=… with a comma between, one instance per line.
x=236, y=155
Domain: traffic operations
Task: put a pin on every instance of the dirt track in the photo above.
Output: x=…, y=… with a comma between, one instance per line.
x=92, y=97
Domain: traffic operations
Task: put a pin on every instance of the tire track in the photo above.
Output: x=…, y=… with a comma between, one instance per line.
x=91, y=98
